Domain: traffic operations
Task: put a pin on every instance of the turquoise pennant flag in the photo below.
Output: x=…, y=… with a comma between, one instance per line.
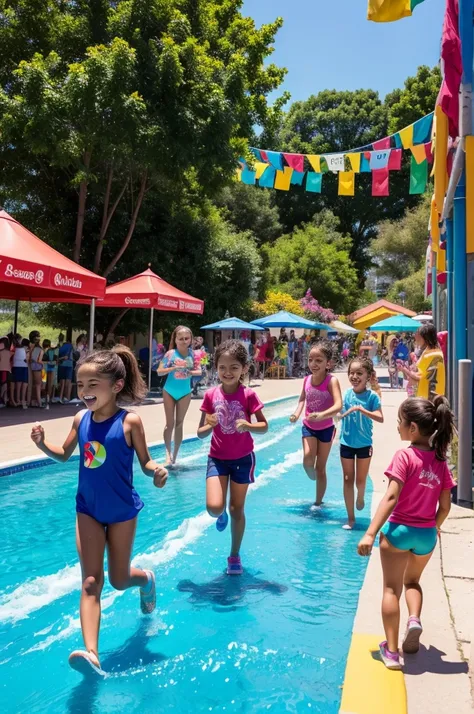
x=398, y=141
x=297, y=178
x=364, y=165
x=422, y=130
x=275, y=159
x=247, y=176
x=418, y=177
x=314, y=182
x=267, y=179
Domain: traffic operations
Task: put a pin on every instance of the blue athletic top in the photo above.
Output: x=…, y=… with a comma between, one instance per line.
x=105, y=490
x=356, y=429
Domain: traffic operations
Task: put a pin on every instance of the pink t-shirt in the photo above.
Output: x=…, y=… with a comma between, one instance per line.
x=227, y=443
x=318, y=399
x=423, y=477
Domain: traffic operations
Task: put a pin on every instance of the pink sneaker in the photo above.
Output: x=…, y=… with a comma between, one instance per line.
x=234, y=565
x=390, y=659
x=411, y=642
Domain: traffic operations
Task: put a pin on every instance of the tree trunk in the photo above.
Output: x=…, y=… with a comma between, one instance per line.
x=81, y=211
x=106, y=218
x=133, y=222
x=114, y=324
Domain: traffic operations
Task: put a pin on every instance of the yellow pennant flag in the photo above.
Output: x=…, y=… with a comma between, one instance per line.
x=315, y=162
x=260, y=167
x=419, y=153
x=390, y=10
x=283, y=179
x=441, y=158
x=406, y=136
x=346, y=183
x=355, y=162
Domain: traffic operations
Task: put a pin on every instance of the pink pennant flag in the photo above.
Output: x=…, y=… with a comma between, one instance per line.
x=381, y=144
x=295, y=161
x=264, y=156
x=395, y=160
x=380, y=182
x=429, y=152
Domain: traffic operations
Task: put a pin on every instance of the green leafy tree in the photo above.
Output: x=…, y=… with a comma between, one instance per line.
x=414, y=289
x=415, y=100
x=250, y=209
x=307, y=258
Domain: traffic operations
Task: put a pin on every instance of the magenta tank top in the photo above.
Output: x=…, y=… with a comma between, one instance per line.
x=318, y=399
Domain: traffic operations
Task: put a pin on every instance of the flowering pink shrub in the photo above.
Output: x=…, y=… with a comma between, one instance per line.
x=314, y=311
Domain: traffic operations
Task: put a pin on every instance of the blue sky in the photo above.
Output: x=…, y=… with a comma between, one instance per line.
x=329, y=44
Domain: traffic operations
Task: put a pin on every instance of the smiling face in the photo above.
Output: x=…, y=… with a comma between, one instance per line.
x=358, y=377
x=96, y=390
x=230, y=370
x=318, y=362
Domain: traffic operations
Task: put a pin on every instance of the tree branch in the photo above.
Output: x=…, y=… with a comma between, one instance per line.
x=133, y=222
x=115, y=323
x=106, y=218
x=81, y=211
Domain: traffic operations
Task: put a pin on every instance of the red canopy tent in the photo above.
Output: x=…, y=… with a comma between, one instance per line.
x=147, y=290
x=31, y=270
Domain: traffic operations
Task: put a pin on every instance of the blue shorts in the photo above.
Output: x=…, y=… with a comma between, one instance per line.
x=20, y=374
x=349, y=452
x=419, y=541
x=240, y=470
x=324, y=435
x=64, y=372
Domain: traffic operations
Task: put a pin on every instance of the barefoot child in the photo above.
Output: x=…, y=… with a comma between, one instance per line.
x=107, y=505
x=227, y=413
x=321, y=398
x=416, y=504
x=360, y=407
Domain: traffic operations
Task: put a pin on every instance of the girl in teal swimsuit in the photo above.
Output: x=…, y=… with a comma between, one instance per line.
x=178, y=365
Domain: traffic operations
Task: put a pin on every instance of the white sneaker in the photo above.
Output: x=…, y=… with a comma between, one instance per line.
x=55, y=400
x=47, y=406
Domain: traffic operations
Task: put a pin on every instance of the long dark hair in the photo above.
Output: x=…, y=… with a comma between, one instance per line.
x=428, y=333
x=434, y=419
x=120, y=363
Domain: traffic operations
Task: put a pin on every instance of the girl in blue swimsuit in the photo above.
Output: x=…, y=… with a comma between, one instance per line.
x=107, y=504
x=178, y=365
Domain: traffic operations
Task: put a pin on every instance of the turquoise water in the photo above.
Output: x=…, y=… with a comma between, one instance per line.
x=274, y=639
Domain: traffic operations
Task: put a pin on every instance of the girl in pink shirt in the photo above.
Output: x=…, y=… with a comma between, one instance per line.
x=417, y=502
x=321, y=399
x=227, y=412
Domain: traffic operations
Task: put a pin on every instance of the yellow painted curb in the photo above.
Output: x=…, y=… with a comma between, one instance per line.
x=369, y=687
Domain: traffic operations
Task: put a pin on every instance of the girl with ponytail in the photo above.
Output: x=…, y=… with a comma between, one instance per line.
x=107, y=504
x=410, y=515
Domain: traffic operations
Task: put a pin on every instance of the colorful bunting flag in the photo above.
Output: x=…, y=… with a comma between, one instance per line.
x=354, y=160
x=365, y=163
x=395, y=160
x=297, y=178
x=346, y=183
x=379, y=159
x=418, y=176
x=429, y=152
x=390, y=10
x=440, y=158
x=381, y=144
x=247, y=176
x=419, y=153
x=260, y=168
x=422, y=129
x=335, y=162
x=296, y=161
x=275, y=159
x=315, y=162
x=314, y=182
x=406, y=136
x=268, y=177
x=283, y=179
x=380, y=182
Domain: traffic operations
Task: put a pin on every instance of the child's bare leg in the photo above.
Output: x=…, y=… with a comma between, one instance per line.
x=310, y=450
x=362, y=471
x=238, y=493
x=348, y=474
x=394, y=562
x=216, y=495
x=323, y=450
x=90, y=541
x=120, y=537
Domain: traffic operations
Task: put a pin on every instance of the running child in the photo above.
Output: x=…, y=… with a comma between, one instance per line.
x=321, y=398
x=227, y=412
x=410, y=515
x=107, y=504
x=361, y=406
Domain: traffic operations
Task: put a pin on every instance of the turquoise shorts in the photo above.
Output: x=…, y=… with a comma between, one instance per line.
x=419, y=541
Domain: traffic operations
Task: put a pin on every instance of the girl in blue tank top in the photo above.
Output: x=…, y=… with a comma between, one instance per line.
x=107, y=504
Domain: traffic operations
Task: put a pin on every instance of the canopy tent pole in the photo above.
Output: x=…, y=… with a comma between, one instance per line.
x=92, y=326
x=150, y=348
x=15, y=319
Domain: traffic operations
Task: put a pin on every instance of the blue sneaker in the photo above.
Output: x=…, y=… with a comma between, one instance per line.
x=222, y=521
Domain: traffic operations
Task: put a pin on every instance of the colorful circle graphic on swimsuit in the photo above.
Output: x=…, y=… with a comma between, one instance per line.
x=94, y=454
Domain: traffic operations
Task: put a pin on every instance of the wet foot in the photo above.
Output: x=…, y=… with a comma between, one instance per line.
x=87, y=663
x=360, y=503
x=348, y=526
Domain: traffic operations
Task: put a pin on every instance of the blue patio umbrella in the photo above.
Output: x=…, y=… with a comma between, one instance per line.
x=288, y=319
x=231, y=323
x=396, y=323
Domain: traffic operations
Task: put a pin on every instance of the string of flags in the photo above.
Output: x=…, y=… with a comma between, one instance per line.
x=281, y=170
x=390, y=10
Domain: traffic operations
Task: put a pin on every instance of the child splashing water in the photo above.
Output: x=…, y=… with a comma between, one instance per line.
x=107, y=505
x=321, y=398
x=227, y=412
x=410, y=515
x=360, y=407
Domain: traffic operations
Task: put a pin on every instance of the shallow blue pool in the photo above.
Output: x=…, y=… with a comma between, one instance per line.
x=274, y=639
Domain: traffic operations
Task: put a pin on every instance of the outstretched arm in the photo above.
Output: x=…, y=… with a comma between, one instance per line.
x=58, y=453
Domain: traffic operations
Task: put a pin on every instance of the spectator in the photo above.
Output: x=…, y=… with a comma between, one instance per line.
x=65, y=369
x=36, y=366
x=50, y=365
x=20, y=370
x=5, y=369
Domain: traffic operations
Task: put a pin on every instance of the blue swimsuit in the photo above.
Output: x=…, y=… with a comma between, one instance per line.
x=178, y=383
x=105, y=490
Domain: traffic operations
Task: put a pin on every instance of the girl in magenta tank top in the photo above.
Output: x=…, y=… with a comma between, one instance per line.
x=321, y=399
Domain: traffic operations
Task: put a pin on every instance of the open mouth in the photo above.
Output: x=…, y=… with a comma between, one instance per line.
x=89, y=401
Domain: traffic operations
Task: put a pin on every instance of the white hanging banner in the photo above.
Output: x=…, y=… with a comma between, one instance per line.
x=335, y=162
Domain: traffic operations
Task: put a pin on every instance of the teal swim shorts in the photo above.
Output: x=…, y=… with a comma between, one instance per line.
x=419, y=541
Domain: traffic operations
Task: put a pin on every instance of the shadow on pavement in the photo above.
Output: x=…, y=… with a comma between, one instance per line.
x=430, y=660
